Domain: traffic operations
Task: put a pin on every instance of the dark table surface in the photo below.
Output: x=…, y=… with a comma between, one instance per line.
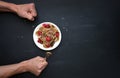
x=90, y=42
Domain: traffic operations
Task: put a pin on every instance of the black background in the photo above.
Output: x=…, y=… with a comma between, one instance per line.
x=90, y=38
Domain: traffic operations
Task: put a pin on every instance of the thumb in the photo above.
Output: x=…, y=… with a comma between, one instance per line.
x=29, y=17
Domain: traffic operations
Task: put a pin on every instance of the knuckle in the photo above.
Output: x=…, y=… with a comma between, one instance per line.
x=32, y=4
x=42, y=59
x=46, y=63
x=38, y=57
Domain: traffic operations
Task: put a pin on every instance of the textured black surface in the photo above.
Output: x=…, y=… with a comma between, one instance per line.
x=90, y=38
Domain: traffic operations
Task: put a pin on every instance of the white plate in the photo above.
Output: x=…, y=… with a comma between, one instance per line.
x=35, y=38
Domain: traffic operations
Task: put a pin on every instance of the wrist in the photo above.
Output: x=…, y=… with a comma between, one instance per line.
x=12, y=7
x=23, y=66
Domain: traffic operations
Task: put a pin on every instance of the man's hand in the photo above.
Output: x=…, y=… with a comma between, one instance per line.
x=35, y=65
x=26, y=11
x=23, y=10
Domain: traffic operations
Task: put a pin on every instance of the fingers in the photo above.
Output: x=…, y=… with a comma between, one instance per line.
x=27, y=11
x=29, y=17
x=41, y=65
x=44, y=65
x=36, y=65
x=33, y=10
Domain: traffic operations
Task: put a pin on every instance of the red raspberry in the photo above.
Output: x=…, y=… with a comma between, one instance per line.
x=57, y=34
x=48, y=39
x=46, y=25
x=40, y=41
x=39, y=33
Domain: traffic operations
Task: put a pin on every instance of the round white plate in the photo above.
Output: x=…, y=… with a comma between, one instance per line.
x=35, y=38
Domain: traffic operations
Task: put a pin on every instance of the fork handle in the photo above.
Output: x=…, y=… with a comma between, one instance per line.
x=47, y=55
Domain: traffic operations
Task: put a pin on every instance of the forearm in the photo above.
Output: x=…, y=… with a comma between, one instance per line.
x=9, y=70
x=7, y=7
